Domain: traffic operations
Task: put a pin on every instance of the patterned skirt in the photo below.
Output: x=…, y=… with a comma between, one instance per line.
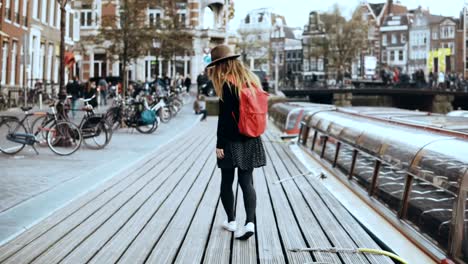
x=245, y=155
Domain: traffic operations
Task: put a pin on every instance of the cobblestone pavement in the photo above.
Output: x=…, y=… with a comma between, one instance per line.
x=33, y=186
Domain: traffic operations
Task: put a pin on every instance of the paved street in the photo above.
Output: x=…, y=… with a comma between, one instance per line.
x=33, y=186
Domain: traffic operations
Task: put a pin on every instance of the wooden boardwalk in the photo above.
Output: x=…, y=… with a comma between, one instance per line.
x=167, y=210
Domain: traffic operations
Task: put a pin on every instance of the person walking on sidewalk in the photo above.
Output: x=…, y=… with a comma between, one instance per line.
x=74, y=90
x=103, y=91
x=234, y=150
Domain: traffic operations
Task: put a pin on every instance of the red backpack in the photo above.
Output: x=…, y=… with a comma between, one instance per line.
x=252, y=112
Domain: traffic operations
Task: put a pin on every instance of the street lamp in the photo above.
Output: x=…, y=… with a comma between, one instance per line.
x=276, y=34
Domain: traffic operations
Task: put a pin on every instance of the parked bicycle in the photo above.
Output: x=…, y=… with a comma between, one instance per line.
x=62, y=137
x=131, y=114
x=96, y=133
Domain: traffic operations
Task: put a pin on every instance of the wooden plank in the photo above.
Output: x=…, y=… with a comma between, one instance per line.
x=38, y=246
x=168, y=245
x=138, y=210
x=290, y=232
x=325, y=222
x=197, y=236
x=243, y=251
x=314, y=235
x=106, y=191
x=143, y=244
x=270, y=249
x=355, y=230
x=218, y=249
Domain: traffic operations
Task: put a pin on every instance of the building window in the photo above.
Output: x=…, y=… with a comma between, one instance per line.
x=14, y=52
x=43, y=10
x=17, y=13
x=4, y=61
x=154, y=17
x=384, y=39
x=451, y=46
x=52, y=13
x=87, y=18
x=8, y=9
x=384, y=56
x=403, y=38
x=247, y=19
x=400, y=55
x=434, y=35
x=25, y=13
x=392, y=55
x=394, y=39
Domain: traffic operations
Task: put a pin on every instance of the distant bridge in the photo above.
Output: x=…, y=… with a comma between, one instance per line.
x=433, y=100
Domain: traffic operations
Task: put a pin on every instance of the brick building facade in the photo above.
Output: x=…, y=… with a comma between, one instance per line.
x=203, y=19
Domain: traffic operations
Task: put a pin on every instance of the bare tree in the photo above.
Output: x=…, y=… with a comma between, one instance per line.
x=252, y=44
x=343, y=40
x=172, y=32
x=126, y=35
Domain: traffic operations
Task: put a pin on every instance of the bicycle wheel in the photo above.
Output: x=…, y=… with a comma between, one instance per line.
x=39, y=129
x=9, y=127
x=177, y=103
x=96, y=134
x=64, y=138
x=147, y=129
x=112, y=119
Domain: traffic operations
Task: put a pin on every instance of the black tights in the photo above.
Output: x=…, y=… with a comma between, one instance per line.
x=227, y=195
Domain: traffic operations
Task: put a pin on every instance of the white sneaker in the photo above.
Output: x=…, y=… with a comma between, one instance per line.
x=231, y=226
x=246, y=232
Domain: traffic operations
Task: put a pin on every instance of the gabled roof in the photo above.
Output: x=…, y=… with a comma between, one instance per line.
x=434, y=19
x=377, y=8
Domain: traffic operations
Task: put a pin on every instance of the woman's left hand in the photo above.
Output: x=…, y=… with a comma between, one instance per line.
x=220, y=153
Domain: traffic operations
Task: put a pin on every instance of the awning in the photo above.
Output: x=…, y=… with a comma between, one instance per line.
x=69, y=59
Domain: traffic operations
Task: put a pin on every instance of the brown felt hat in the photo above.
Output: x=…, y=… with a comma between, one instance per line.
x=220, y=53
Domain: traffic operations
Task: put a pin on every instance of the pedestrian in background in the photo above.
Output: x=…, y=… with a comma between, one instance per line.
x=234, y=150
x=103, y=91
x=441, y=80
x=74, y=90
x=199, y=106
x=188, y=83
x=89, y=92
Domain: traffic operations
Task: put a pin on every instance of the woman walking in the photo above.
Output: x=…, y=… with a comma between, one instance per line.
x=234, y=150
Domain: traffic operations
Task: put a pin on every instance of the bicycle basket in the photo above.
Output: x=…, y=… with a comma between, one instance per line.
x=148, y=117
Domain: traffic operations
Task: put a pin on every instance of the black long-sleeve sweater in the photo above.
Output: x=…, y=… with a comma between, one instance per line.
x=228, y=129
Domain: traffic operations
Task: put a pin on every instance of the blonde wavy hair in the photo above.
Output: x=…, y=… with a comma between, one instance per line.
x=232, y=72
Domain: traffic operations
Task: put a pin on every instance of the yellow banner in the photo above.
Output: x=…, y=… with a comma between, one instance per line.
x=440, y=55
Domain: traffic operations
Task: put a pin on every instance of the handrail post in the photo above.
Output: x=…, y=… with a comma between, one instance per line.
x=313, y=140
x=353, y=164
x=375, y=176
x=338, y=146
x=325, y=139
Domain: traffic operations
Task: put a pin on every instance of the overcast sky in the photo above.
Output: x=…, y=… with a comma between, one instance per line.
x=297, y=11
